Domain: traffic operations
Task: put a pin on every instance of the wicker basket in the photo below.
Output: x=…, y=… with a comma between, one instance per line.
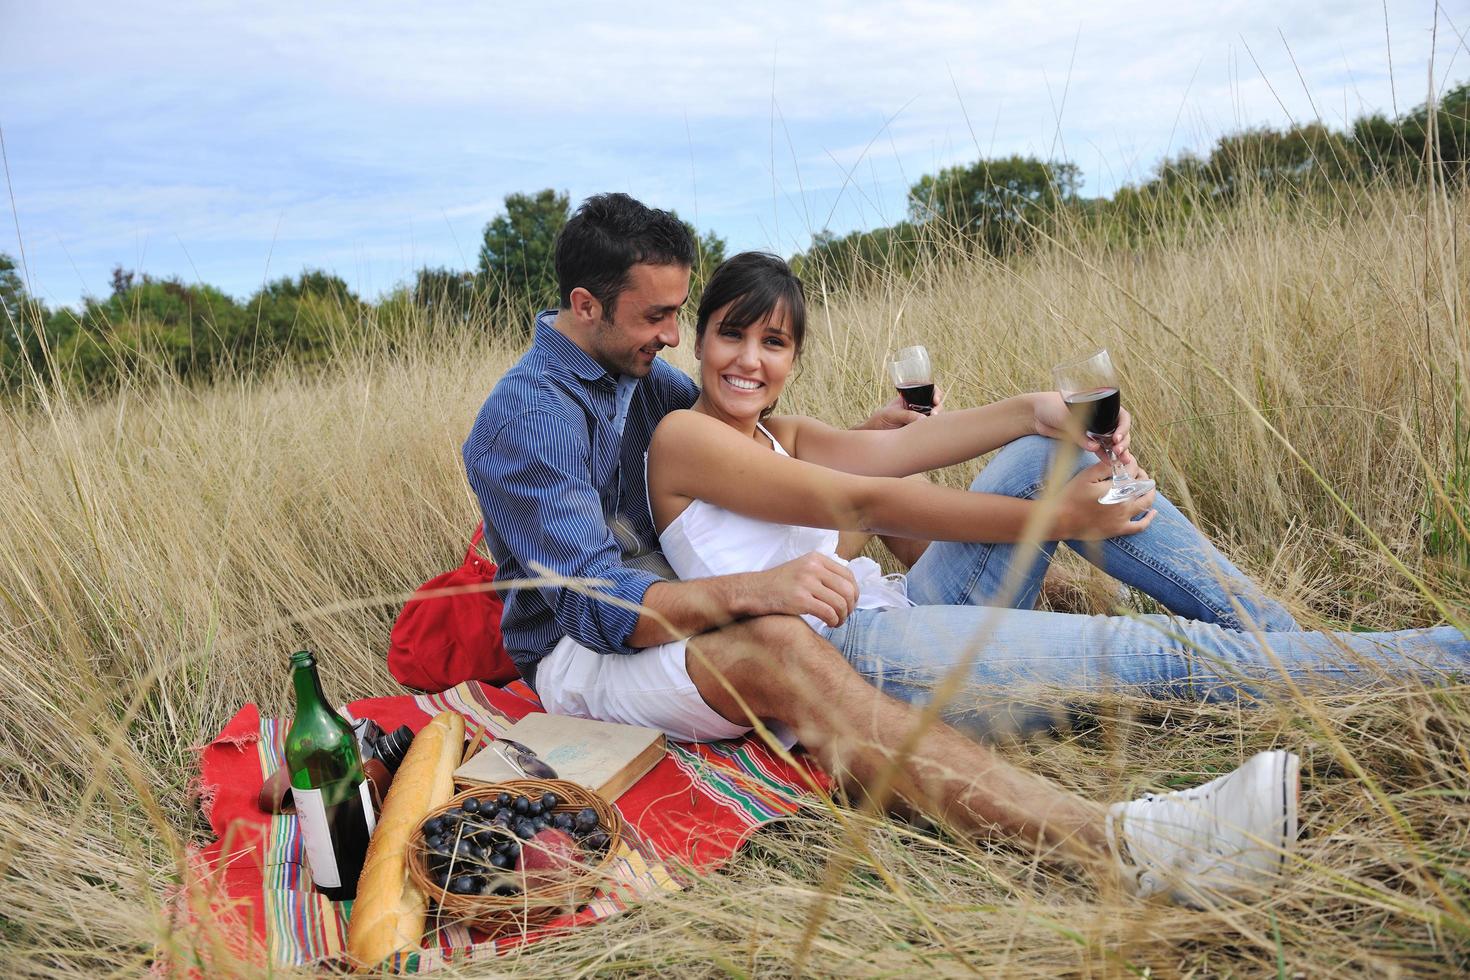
x=497, y=914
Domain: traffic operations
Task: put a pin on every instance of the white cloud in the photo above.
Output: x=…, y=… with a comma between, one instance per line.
x=382, y=128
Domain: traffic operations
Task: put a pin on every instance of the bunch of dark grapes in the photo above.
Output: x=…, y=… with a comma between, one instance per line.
x=473, y=847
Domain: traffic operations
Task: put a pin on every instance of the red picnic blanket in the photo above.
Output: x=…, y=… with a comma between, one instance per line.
x=687, y=817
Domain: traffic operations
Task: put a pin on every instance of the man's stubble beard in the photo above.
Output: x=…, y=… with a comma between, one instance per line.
x=621, y=361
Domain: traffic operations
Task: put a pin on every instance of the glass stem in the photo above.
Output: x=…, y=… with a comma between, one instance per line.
x=1120, y=475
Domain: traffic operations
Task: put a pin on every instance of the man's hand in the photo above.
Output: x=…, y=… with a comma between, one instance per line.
x=1052, y=419
x=1082, y=518
x=812, y=585
x=896, y=415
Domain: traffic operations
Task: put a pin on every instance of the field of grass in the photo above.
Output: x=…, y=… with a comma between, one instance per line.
x=1300, y=379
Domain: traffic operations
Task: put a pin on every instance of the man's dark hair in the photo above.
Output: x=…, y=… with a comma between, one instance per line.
x=609, y=234
x=757, y=283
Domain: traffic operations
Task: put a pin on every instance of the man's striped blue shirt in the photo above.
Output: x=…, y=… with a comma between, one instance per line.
x=556, y=458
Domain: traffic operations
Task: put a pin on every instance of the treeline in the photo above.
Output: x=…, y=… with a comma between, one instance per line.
x=187, y=330
x=198, y=332
x=1001, y=206
x=1004, y=206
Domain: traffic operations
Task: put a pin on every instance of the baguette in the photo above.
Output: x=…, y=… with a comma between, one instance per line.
x=389, y=912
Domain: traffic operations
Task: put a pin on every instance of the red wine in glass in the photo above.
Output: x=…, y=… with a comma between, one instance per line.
x=913, y=376
x=919, y=397
x=1097, y=410
x=1089, y=386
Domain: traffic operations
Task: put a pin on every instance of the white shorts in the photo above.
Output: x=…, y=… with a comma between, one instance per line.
x=651, y=688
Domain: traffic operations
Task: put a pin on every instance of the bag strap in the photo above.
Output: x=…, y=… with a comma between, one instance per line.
x=475, y=541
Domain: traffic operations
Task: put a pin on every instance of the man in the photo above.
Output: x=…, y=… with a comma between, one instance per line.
x=556, y=460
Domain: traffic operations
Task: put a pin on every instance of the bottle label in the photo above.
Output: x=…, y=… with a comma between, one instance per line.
x=317, y=822
x=316, y=837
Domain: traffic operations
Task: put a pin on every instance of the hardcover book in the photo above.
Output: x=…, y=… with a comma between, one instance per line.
x=604, y=757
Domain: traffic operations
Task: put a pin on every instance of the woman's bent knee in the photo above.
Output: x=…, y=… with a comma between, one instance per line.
x=1021, y=467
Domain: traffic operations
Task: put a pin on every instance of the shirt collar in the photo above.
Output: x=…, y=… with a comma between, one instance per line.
x=565, y=352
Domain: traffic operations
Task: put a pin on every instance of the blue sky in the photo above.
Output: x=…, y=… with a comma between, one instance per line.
x=234, y=142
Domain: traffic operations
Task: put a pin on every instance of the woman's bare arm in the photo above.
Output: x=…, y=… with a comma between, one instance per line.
x=693, y=456
x=942, y=440
x=850, y=544
x=928, y=444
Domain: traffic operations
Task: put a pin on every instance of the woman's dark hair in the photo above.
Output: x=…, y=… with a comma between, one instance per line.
x=756, y=283
x=608, y=235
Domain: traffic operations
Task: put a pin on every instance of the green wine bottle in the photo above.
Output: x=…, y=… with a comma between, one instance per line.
x=327, y=784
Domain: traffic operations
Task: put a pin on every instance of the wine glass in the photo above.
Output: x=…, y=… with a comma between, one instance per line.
x=1090, y=388
x=913, y=376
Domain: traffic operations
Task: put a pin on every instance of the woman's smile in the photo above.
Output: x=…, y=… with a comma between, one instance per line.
x=741, y=383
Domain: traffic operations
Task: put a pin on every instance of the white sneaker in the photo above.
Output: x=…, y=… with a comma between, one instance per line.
x=1228, y=838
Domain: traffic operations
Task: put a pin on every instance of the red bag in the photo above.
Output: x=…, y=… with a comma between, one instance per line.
x=441, y=641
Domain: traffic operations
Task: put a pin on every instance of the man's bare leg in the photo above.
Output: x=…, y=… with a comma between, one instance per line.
x=782, y=670
x=1228, y=838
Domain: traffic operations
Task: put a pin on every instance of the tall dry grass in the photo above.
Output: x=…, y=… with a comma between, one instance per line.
x=163, y=549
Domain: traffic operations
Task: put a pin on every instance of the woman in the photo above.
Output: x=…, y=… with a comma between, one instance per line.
x=733, y=488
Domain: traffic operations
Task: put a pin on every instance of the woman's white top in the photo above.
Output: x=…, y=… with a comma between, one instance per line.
x=707, y=540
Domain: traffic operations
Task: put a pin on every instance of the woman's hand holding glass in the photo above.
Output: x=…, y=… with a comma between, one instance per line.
x=896, y=413
x=1052, y=419
x=1082, y=515
x=1091, y=388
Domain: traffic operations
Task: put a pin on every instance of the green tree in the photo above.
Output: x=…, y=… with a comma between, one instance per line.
x=1400, y=148
x=861, y=258
x=293, y=317
x=13, y=297
x=1299, y=158
x=187, y=330
x=19, y=316
x=997, y=203
x=195, y=331
x=122, y=280
x=446, y=293
x=518, y=250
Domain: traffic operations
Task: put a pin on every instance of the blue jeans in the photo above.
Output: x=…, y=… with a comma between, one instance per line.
x=1225, y=639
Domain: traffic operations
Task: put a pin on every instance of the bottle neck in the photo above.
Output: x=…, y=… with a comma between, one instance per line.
x=309, y=696
x=320, y=748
